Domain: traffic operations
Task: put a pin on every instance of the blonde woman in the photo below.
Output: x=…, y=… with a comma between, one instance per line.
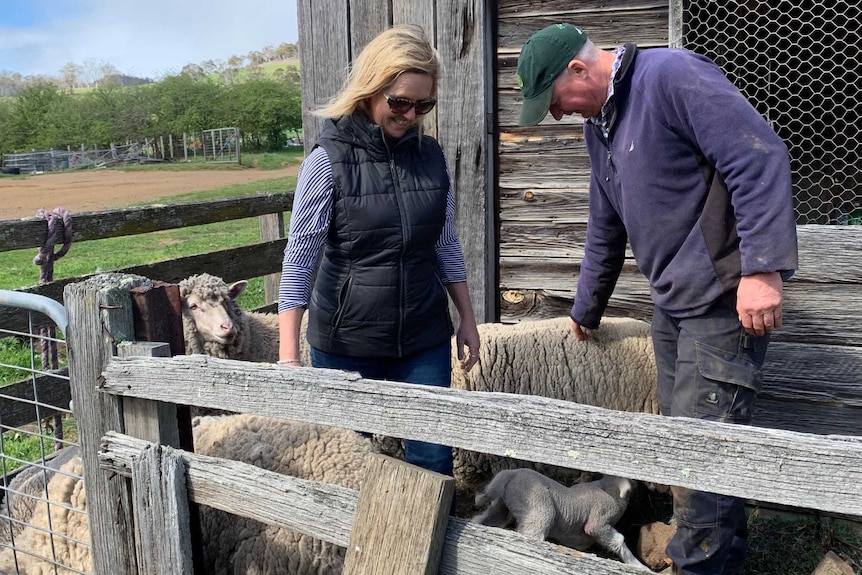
x=376, y=194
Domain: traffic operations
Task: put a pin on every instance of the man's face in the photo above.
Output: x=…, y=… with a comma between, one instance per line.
x=576, y=92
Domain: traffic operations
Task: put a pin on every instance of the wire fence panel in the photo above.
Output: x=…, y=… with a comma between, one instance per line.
x=41, y=494
x=797, y=61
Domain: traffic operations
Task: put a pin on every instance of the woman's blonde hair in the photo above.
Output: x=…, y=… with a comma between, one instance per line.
x=400, y=49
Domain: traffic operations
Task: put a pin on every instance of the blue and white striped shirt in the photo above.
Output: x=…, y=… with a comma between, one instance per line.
x=309, y=223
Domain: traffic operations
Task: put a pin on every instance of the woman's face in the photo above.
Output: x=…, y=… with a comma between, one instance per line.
x=414, y=86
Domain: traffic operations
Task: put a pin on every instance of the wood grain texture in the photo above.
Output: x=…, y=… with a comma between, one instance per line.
x=400, y=520
x=161, y=513
x=100, y=316
x=462, y=132
x=324, y=56
x=327, y=512
x=18, y=404
x=755, y=463
x=32, y=232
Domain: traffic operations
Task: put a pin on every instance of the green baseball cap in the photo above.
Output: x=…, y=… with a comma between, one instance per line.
x=543, y=57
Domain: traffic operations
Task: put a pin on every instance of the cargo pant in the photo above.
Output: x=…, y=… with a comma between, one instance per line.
x=708, y=368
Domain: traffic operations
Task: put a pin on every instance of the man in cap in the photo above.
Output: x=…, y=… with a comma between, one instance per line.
x=687, y=171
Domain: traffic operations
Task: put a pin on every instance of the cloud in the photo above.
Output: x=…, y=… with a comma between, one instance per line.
x=148, y=39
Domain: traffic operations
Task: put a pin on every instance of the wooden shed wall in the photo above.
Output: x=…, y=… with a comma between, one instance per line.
x=333, y=32
x=522, y=193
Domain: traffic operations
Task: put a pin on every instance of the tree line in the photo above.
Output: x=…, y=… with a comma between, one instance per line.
x=42, y=115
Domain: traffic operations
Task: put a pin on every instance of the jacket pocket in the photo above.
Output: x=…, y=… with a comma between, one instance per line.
x=342, y=302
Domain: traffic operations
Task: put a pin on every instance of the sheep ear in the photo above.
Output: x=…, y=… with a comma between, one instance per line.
x=235, y=290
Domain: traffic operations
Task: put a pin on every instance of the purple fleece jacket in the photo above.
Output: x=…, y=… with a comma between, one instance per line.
x=693, y=177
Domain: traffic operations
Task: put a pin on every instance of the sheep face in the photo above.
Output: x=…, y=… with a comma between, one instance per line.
x=209, y=305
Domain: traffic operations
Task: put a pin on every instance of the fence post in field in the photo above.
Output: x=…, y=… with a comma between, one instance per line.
x=400, y=522
x=271, y=228
x=100, y=316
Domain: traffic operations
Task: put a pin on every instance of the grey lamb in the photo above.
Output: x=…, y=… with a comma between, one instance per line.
x=541, y=509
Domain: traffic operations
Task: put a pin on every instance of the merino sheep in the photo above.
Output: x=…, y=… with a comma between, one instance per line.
x=614, y=369
x=232, y=544
x=577, y=516
x=36, y=549
x=215, y=324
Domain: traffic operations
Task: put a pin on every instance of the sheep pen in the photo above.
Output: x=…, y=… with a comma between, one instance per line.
x=230, y=544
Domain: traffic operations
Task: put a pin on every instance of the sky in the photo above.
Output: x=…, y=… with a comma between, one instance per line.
x=148, y=39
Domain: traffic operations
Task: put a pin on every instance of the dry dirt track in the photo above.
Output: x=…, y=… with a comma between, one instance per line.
x=91, y=190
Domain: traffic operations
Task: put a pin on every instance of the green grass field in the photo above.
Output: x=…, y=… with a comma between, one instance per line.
x=17, y=269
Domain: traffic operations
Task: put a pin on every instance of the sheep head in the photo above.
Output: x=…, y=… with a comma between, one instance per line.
x=211, y=316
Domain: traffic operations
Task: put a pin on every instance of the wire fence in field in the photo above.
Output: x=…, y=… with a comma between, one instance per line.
x=219, y=145
x=38, y=443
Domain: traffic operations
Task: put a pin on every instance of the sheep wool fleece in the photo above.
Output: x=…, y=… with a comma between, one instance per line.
x=614, y=369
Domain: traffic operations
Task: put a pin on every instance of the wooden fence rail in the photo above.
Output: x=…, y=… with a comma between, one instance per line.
x=789, y=468
x=327, y=512
x=231, y=264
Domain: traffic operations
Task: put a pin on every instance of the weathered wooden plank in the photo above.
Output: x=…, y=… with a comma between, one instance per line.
x=531, y=8
x=32, y=232
x=813, y=313
x=819, y=418
x=461, y=36
x=317, y=509
x=565, y=137
x=161, y=507
x=827, y=374
x=645, y=25
x=422, y=14
x=368, y=18
x=769, y=465
x=154, y=421
x=231, y=264
x=271, y=228
x=326, y=512
x=17, y=405
x=400, y=519
x=324, y=56
x=100, y=316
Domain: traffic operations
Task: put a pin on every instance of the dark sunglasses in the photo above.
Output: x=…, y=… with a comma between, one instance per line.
x=403, y=105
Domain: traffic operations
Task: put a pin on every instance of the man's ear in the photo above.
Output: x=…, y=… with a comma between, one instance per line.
x=577, y=68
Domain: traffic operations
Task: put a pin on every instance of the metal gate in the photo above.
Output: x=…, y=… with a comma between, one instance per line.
x=42, y=490
x=221, y=145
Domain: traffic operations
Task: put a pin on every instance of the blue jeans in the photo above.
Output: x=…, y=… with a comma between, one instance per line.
x=429, y=367
x=708, y=368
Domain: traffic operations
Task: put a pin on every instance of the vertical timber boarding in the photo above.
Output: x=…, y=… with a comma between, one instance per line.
x=331, y=32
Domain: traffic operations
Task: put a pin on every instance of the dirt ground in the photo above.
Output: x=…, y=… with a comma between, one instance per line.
x=92, y=190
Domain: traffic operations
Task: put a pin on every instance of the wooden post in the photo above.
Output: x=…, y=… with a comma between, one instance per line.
x=153, y=421
x=400, y=520
x=157, y=311
x=100, y=315
x=271, y=228
x=238, y=144
x=161, y=512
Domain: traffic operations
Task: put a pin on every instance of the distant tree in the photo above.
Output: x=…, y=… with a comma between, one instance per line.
x=69, y=76
x=30, y=114
x=209, y=67
x=193, y=71
x=256, y=58
x=236, y=62
x=10, y=84
x=109, y=73
x=266, y=110
x=286, y=51
x=91, y=71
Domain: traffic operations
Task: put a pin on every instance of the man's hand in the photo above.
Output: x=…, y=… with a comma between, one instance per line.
x=759, y=299
x=581, y=333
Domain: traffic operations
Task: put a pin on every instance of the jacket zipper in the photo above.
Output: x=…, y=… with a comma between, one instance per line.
x=396, y=185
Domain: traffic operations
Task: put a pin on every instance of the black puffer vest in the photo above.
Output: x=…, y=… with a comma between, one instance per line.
x=378, y=291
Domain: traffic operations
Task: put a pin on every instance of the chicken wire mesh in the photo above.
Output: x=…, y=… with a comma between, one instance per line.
x=38, y=445
x=798, y=62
